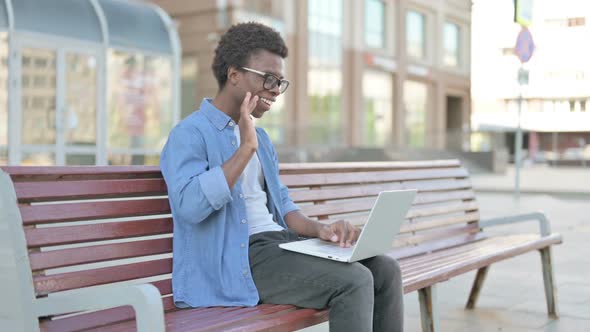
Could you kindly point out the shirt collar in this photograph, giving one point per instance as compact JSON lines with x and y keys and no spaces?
{"x":219,"y":119}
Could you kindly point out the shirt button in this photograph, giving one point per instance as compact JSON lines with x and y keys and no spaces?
{"x":241,"y":195}
{"x":243,"y":221}
{"x":231,"y":123}
{"x":245,"y":272}
{"x":243,"y":245}
{"x":233,"y":142}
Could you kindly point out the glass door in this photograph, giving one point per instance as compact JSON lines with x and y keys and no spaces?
{"x":58,"y":106}
{"x":79,"y":116}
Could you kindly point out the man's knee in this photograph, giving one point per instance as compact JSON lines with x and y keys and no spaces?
{"x":386,"y":269}
{"x":358,"y":276}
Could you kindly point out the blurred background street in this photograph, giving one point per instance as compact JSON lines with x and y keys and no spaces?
{"x":502,"y":85}
{"x":513,"y":297}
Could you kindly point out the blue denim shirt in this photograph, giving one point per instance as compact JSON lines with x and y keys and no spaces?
{"x":210,"y":245}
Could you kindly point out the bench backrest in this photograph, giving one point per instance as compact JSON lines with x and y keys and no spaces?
{"x":444,"y":213}
{"x":88,"y":226}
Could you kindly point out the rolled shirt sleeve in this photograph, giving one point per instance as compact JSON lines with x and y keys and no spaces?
{"x":214,"y":186}
{"x":195,"y":188}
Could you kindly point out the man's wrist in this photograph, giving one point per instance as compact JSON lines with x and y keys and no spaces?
{"x":248,"y":148}
{"x":317,"y":228}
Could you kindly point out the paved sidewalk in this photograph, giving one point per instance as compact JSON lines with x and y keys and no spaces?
{"x":513,"y":297}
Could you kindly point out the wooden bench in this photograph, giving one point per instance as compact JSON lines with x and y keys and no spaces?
{"x":99,"y":239}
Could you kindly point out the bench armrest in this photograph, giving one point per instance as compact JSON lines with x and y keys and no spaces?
{"x":544,"y":226}
{"x":145,"y":300}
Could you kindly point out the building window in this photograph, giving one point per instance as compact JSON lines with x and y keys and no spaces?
{"x":324,"y":80}
{"x":38,"y":123}
{"x":378,"y":108}
{"x":452,"y":45}
{"x":140,"y":107}
{"x":566,"y":22}
{"x":188,"y":85}
{"x":415,"y":102}
{"x":270,"y":8}
{"x":3,"y":98}
{"x":375,"y":23}
{"x":416,"y":34}
{"x":576,"y":21}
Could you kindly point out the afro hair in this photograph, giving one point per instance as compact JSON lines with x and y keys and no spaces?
{"x":241,"y":41}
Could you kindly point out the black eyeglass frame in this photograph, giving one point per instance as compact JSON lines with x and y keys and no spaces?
{"x":270,"y":80}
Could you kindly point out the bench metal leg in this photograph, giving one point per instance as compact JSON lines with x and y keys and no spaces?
{"x":428,"y":309}
{"x":476,"y":288}
{"x":549,"y":281}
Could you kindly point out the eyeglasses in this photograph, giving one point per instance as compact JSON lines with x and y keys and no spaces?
{"x":270,"y":81}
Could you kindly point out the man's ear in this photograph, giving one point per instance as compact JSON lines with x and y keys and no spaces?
{"x":233,"y":75}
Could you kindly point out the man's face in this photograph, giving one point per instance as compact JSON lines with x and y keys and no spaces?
{"x":267,"y":63}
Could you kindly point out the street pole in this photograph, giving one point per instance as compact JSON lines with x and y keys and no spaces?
{"x":523,"y":12}
{"x":518,"y":140}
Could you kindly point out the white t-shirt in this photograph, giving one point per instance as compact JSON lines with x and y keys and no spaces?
{"x":259,"y":219}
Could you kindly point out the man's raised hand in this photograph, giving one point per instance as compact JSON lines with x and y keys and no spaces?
{"x":247,"y":131}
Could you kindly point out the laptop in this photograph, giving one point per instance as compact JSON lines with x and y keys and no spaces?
{"x":384,"y":222}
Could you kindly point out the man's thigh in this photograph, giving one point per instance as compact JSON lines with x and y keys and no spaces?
{"x":285,"y":277}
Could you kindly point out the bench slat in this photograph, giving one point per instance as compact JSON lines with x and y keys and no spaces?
{"x":221,"y":321}
{"x":164,"y":286}
{"x":71,"y":280}
{"x":50,"y":236}
{"x":441,"y":196}
{"x":426,"y":236}
{"x":331,"y":208}
{"x":437,"y":184}
{"x":44,"y":173}
{"x":439,"y":222}
{"x":448,"y":207}
{"x":417,"y":224}
{"x":365,"y":204}
{"x":454,"y":255}
{"x":206,"y":319}
{"x":99,"y":253}
{"x":347,"y":192}
{"x":450,"y":256}
{"x":302,"y":196}
{"x":437,"y":275}
{"x":289,"y":321}
{"x":301,"y":168}
{"x":452,"y":241}
{"x":95,"y":319}
{"x":52,"y":213}
{"x":182,"y":319}
{"x":306,"y":180}
{"x":91,"y":189}
{"x":436,"y":255}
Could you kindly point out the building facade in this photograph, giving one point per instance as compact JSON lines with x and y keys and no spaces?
{"x":86,"y":82}
{"x":370,"y":75}
{"x":555,"y":111}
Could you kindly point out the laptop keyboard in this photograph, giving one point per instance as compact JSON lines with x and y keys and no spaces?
{"x":333,"y":249}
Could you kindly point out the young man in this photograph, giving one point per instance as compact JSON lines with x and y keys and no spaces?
{"x":231,"y":211}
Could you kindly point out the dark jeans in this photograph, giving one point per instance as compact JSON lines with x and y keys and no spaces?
{"x":362,"y":296}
